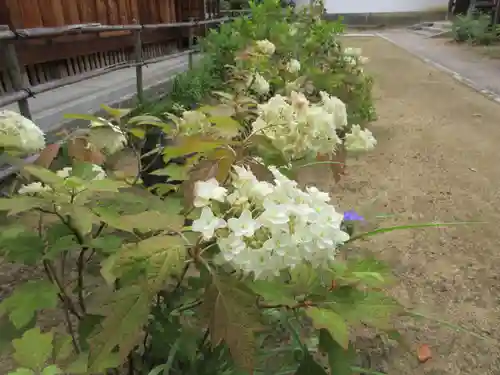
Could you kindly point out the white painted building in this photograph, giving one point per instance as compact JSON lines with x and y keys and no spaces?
{"x":379,"y":6}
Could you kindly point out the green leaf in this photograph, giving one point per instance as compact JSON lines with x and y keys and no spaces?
{"x":84,"y":170}
{"x":19,"y":245}
{"x":116,"y":113}
{"x":9,"y":332}
{"x":187,"y":145}
{"x":108,"y":243}
{"x":34,"y":349}
{"x":308,"y":366}
{"x":226,"y":126}
{"x":332,"y":322}
{"x":143,"y":222}
{"x":411,"y":226}
{"x":174,"y":171}
{"x":81,"y":365}
{"x":231,"y":314}
{"x":27,"y":299}
{"x":304,"y":279}
{"x":125,"y":314}
{"x":52,"y":370}
{"x":274,"y":293}
{"x":44,"y":175}
{"x":160,"y":256}
{"x":339,"y":359}
{"x":63,"y":347}
{"x":75,"y":116}
{"x":18,"y":204}
{"x":369,"y":307}
{"x":22,"y":371}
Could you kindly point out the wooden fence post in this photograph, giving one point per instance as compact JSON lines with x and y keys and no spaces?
{"x":191,"y":44}
{"x":19,"y":81}
{"x":138,"y":67}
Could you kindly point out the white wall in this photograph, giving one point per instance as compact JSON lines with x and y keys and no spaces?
{"x":379,"y":6}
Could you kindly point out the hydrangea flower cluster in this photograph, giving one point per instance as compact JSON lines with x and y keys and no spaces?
{"x":20,"y":133}
{"x":359,"y":140}
{"x":353,"y":57}
{"x":264,"y":228}
{"x":265,"y":47}
{"x":300,"y":128}
{"x":38,"y":187}
{"x":193,"y":122}
{"x":258,"y":84}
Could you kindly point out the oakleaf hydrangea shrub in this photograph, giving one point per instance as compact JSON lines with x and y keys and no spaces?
{"x":237,"y":270}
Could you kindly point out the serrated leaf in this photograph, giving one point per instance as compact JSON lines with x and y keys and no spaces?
{"x":27,"y":299}
{"x":274,"y":293}
{"x":20,"y":204}
{"x":33,"y":349}
{"x":340,"y":360}
{"x":332,"y":322}
{"x":159,"y":256}
{"x":9,"y":332}
{"x":19,"y":245}
{"x":48,"y":155}
{"x":232,"y":317}
{"x":227,"y":127}
{"x":116,"y":113}
{"x":144,"y":221}
{"x":190,"y":144}
{"x":44,"y":175}
{"x":125,"y":314}
{"x":369,"y":307}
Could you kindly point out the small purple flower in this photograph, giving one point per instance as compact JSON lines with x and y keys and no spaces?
{"x":353,"y":216}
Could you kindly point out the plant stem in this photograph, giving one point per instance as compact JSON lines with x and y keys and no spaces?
{"x":71,"y":331}
{"x":81,"y":268}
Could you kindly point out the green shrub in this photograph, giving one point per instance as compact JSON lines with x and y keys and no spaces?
{"x":474,"y":28}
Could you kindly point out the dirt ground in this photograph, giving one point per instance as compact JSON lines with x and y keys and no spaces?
{"x":436,"y":161}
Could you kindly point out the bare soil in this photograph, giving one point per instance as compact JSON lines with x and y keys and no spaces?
{"x":437,"y":160}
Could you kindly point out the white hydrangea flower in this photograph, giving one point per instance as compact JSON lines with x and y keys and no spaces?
{"x":299,"y":128}
{"x":33,"y":188}
{"x":336,"y":107}
{"x":106,"y":136}
{"x":266,"y":47}
{"x":207,"y":224}
{"x":21,"y":134}
{"x":351,"y":51}
{"x":258,"y":84}
{"x":359,"y":140}
{"x":280,"y":227}
{"x":193,"y":122}
{"x":293,"y":66}
{"x":205,"y":191}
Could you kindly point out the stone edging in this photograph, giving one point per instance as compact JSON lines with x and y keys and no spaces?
{"x":455,"y":75}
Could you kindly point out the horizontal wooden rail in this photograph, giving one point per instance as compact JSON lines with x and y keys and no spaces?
{"x":98,"y":28}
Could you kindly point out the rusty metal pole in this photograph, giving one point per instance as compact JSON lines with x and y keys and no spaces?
{"x":191,"y":44}
{"x":19,"y":81}
{"x":138,"y":68}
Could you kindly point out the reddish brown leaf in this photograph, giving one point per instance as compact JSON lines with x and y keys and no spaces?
{"x":48,"y":155}
{"x":424,"y":353}
{"x":78,"y":149}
